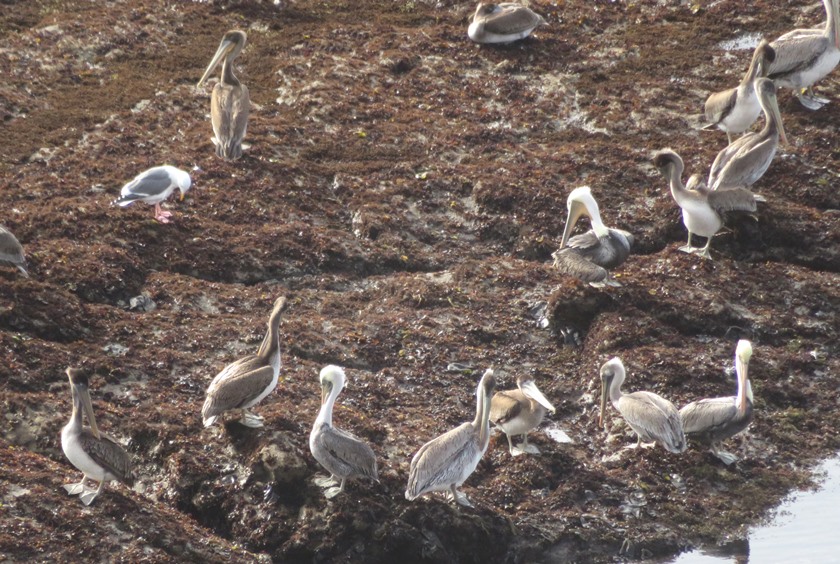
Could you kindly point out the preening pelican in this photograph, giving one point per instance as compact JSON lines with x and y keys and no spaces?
{"x":97,"y":455}
{"x":244,"y":383}
{"x":11,"y":252}
{"x":502,"y":23}
{"x":342,"y":454}
{"x":652,"y":417}
{"x":702,"y":209}
{"x":805,"y":56}
{"x":445,"y":462}
{"x":713,"y":420}
{"x":734,"y":110}
{"x":153,"y":186}
{"x":589,"y":256}
{"x":748,"y":158}
{"x":230,"y":101}
{"x":516,"y":412}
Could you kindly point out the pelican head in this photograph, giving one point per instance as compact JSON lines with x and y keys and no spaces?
{"x":765,"y":55}
{"x":483,"y":10}
{"x":612,"y":376}
{"x":669,"y":163}
{"x":526,"y":386}
{"x":766,"y":91}
{"x":332,"y":378}
{"x":81,"y":396}
{"x":743,"y":353}
{"x":232,"y":44}
{"x":579,"y":202}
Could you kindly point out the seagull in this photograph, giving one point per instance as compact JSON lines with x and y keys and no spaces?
{"x":502,"y":23}
{"x":11,"y":252}
{"x":153,"y":186}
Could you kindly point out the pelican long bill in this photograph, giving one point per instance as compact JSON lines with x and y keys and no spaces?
{"x":225,"y":46}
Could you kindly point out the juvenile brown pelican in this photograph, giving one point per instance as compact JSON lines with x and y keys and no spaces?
{"x":502,"y":23}
{"x":244,"y":383}
{"x":98,"y":456}
{"x":153,"y":186}
{"x":652,"y":417}
{"x":444,"y":463}
{"x":230,"y":101}
{"x":702,"y":209}
{"x":11,"y":252}
{"x":342,"y":454}
{"x":735,"y":110}
{"x":748,"y":158}
{"x":713,"y":420}
{"x":588,"y":256}
{"x":805,"y":56}
{"x":516,"y":412}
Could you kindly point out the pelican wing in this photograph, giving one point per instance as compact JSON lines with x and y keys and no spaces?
{"x":572,"y":262}
{"x":708,"y":415}
{"x":505,"y":406}
{"x":743,"y":162}
{"x":108,"y":454}
{"x":229,"y":109}
{"x":344,"y":454}
{"x":795,"y":52}
{"x":11,"y":250}
{"x":653,"y":417}
{"x":236,"y":385}
{"x":732,"y":199}
{"x":441,"y":462}
{"x":511,"y":18}
{"x":719,"y":104}
{"x":150,"y":185}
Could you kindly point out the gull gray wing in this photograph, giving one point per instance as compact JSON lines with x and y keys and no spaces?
{"x":344,"y":454}
{"x":152,"y":183}
{"x":707,"y":415}
{"x":108,"y":454}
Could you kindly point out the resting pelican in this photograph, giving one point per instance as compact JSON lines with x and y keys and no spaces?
{"x":735,"y":110}
{"x":713,"y":420}
{"x":97,"y":455}
{"x":588,"y":256}
{"x":502,"y":23}
{"x":445,"y":462}
{"x":702,"y":209}
{"x":342,"y":454}
{"x":244,"y":383}
{"x":11,"y":251}
{"x":516,"y":412}
{"x":230,"y":102}
{"x":153,"y":186}
{"x":748,"y":158}
{"x":805,"y":56}
{"x":652,"y":417}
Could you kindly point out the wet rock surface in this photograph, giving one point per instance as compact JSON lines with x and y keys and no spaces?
{"x":405,"y":189}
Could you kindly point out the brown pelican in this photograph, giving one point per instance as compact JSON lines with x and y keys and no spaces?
{"x":153,"y":186}
{"x":713,"y":420}
{"x":502,"y":23}
{"x":702,"y":209}
{"x":342,"y":454}
{"x":98,"y":456}
{"x":735,"y":110}
{"x":445,"y":462}
{"x":243,"y":383}
{"x":230,"y":102}
{"x":652,"y":417}
{"x":516,"y":412}
{"x":748,"y":158}
{"x":588,"y":256}
{"x":11,"y":252}
{"x":804,"y":56}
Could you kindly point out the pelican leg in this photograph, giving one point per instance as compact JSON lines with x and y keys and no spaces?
{"x":460,"y":498}
{"x":324,"y":482}
{"x":688,"y":248}
{"x":728,"y":138}
{"x":725,"y":457}
{"x":610,"y":281}
{"x":525,"y":447}
{"x":704,"y":252}
{"x":76,"y":489}
{"x":334,"y":491}
{"x":514,"y":451}
{"x":251,"y":419}
{"x":160,"y":215}
{"x":88,"y":496}
{"x":810,"y":100}
{"x":600,"y":284}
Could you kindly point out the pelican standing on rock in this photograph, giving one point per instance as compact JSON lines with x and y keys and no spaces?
{"x":342,"y":454}
{"x":747,"y":159}
{"x":230,"y":101}
{"x":153,"y":186}
{"x":97,"y":455}
{"x":11,"y":252}
{"x":805,"y":56}
{"x":702,"y":209}
{"x":244,"y":383}
{"x":502,"y":23}
{"x":735,"y":110}
{"x":444,"y":463}
{"x":713,"y":420}
{"x":652,"y":417}
{"x":589,"y":256}
{"x":516,"y":412}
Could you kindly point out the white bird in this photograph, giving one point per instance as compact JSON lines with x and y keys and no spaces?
{"x":502,"y":23}
{"x":153,"y":186}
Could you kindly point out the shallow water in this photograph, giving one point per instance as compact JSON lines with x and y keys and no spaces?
{"x":803,"y":530}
